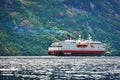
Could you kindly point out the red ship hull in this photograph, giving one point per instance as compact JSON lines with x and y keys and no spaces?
{"x":76,"y":52}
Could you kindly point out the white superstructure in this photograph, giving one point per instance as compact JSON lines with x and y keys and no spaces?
{"x":77,"y":47}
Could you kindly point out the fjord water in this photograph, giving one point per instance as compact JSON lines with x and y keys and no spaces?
{"x":59,"y":68}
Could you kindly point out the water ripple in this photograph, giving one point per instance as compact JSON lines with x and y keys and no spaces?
{"x":59,"y":68}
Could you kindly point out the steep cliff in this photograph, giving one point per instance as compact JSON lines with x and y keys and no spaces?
{"x":28,"y":27}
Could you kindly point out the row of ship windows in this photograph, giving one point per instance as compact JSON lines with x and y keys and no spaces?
{"x":78,"y":47}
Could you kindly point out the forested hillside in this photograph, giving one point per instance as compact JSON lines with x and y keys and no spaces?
{"x":28,"y":27}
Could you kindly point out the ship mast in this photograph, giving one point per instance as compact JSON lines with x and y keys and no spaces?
{"x":89,"y":38}
{"x":79,"y":37}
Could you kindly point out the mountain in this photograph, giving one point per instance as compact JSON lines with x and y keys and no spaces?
{"x":28,"y":27}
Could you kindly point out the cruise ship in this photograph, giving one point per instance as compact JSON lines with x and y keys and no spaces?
{"x":80,"y":47}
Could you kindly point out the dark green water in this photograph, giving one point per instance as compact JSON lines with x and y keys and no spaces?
{"x":59,"y":68}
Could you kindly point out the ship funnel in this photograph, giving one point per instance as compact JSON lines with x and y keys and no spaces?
{"x":69,"y":37}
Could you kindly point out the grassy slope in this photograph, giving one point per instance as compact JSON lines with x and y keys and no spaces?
{"x":31,"y":26}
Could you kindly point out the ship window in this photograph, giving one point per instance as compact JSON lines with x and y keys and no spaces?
{"x":56,"y":46}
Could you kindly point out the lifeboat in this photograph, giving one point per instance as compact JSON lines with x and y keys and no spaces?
{"x":82,"y":45}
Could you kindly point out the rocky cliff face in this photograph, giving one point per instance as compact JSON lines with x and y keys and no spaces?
{"x":28,"y":27}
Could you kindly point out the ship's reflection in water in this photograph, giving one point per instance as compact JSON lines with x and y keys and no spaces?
{"x":59,"y":68}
